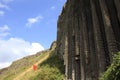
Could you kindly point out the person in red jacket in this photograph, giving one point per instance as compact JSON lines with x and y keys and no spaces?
{"x":34,"y":67}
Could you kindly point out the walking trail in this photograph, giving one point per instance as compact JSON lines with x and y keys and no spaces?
{"x":29,"y":69}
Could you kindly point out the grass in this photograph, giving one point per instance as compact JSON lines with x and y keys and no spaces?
{"x":51,"y":69}
{"x":31,"y":72}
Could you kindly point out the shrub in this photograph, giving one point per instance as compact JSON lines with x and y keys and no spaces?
{"x":113,"y":72}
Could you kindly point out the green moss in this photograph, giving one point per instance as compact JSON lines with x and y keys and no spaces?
{"x":113,"y":72}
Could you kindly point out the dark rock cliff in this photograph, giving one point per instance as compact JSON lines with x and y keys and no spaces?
{"x":88,"y":35}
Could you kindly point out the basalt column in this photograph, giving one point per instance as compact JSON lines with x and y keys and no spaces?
{"x":88,"y":36}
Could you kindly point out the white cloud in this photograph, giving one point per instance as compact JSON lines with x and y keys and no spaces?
{"x":2,"y":35}
{"x":2,"y":13}
{"x":4,"y":28}
{"x":7,"y":1}
{"x":3,"y":6}
{"x":52,"y":8}
{"x":34,"y":47}
{"x":4,"y":31}
{"x":31,"y":21}
{"x":16,"y":48}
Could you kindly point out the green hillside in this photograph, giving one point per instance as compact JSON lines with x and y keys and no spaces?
{"x":49,"y":67}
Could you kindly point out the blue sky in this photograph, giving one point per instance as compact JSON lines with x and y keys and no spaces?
{"x":26,"y":27}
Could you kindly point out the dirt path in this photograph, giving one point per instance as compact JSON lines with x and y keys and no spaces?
{"x":29,"y":69}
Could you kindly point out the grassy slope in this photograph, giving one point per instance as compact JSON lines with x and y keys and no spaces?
{"x":50,"y":69}
{"x":30,"y":72}
{"x":20,"y":65}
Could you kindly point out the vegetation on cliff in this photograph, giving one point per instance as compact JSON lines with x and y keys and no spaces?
{"x":113,"y":72}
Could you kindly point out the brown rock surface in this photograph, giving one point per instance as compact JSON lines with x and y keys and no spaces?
{"x":88,"y":35}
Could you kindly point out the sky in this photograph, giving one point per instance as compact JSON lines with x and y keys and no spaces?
{"x":27,"y":27}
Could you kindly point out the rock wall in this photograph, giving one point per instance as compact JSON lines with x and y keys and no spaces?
{"x":88,"y":35}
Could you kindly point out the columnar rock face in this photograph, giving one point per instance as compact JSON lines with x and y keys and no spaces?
{"x":88,"y":35}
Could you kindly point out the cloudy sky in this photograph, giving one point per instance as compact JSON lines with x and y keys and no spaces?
{"x":26,"y":27}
